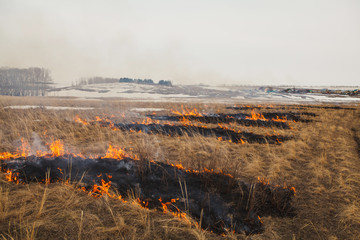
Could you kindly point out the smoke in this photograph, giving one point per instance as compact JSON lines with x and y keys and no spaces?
{"x":36,"y":144}
{"x":203,"y":42}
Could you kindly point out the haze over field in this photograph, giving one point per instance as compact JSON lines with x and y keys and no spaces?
{"x":212,"y":42}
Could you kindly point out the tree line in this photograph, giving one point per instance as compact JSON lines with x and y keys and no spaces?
{"x":145,"y":81}
{"x":97,"y":80}
{"x":32,"y":81}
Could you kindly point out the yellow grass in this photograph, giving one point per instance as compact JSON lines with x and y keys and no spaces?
{"x":322,"y":162}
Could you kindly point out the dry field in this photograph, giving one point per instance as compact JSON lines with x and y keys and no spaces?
{"x":321,"y":160}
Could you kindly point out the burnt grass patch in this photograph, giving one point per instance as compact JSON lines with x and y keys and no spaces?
{"x":290,"y":115}
{"x":217,"y":201}
{"x":272,"y":119}
{"x":180,"y":130}
{"x":239,"y":119}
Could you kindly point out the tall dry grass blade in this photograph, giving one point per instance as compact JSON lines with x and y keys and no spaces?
{"x":201,"y":217}
{"x":182,"y":192}
{"x":8,"y":237}
{"x":43,"y":199}
{"x":187,"y":198}
{"x":81,"y":225}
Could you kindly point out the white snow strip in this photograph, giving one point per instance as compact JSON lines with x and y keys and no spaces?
{"x":147,"y":109}
{"x":47,"y":107}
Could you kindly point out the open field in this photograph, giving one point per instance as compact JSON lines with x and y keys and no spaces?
{"x":320,"y":158}
{"x":192,"y":93}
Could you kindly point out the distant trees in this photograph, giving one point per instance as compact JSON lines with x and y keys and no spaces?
{"x":140,"y":81}
{"x":96,"y":80}
{"x":145,"y":81}
{"x":24,"y":81}
{"x":165,"y":82}
{"x":126,"y":80}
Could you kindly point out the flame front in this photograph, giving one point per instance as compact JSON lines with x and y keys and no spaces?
{"x":12,"y":176}
{"x":22,"y":151}
{"x":278,"y":119}
{"x":265,"y":181}
{"x":7,"y":155}
{"x":256,"y":116}
{"x":187,"y":112}
{"x":57,"y":148}
{"x":177,"y":213}
{"x":79,"y":120}
{"x":115,"y":152}
{"x":24,"y":148}
{"x":99,"y":190}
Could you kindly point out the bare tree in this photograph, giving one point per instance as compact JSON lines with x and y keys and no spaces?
{"x":25,"y":82}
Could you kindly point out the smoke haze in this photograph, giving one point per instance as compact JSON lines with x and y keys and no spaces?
{"x":211,"y":42}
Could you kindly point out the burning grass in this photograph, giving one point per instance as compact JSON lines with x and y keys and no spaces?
{"x":215,"y":200}
{"x":192,"y":127}
{"x":321,"y":160}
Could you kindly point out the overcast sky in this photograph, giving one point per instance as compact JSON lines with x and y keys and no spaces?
{"x":304,"y":42}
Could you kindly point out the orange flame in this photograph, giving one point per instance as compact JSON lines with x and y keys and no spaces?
{"x":57,"y":148}
{"x":11,"y":176}
{"x":278,"y":119}
{"x":24,"y":148}
{"x":256,"y":116}
{"x":79,"y":120}
{"x":265,"y":181}
{"x":103,"y":189}
{"x":228,"y":128}
{"x":185,"y":121}
{"x":115,"y":152}
{"x":148,"y":121}
{"x":178,"y":213}
{"x":7,"y":155}
{"x":178,"y":166}
{"x":187,"y":112}
{"x":22,"y":151}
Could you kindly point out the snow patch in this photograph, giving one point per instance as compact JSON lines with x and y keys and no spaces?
{"x":47,"y":107}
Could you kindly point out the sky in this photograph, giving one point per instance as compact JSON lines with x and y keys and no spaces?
{"x":232,"y":42}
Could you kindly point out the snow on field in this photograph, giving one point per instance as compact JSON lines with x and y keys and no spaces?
{"x":119,"y":90}
{"x":147,"y":109}
{"x":47,"y":107}
{"x":187,"y":93}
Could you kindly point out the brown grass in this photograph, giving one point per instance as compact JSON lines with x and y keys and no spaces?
{"x":322,"y":162}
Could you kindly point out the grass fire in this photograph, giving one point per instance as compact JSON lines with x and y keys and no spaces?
{"x":196,"y":171}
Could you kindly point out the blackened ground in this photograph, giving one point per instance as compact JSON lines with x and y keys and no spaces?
{"x":328,"y":107}
{"x":179,"y":130}
{"x":226,"y":203}
{"x":240,"y":119}
{"x":226,"y":118}
{"x":292,"y":116}
{"x":287,"y":107}
{"x":248,"y":107}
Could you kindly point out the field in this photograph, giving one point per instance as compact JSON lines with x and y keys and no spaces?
{"x":314,"y":149}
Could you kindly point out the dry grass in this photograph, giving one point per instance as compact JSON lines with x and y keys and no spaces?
{"x":57,"y":211}
{"x":322,"y":162}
